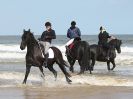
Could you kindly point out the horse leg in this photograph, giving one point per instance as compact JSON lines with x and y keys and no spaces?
{"x":92,"y":64}
{"x":67,"y":75}
{"x":71,"y":66}
{"x":114,"y":65}
{"x":81,"y":68}
{"x":41,"y":70}
{"x":50,"y":67}
{"x":28,"y":67}
{"x":108,"y":65}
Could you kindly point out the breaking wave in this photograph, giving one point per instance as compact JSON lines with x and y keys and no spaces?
{"x":12,"y":53}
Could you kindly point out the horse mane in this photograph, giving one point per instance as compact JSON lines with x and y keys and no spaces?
{"x":31,"y":38}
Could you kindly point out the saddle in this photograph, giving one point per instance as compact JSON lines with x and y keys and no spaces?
{"x":71,"y":46}
{"x":68,"y":49}
{"x":50,"y":51}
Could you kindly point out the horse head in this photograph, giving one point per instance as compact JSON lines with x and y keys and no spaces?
{"x":25,"y":38}
{"x":117,"y":44}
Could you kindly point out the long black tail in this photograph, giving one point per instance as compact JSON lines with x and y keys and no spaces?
{"x":86,"y":57}
{"x":60,"y":60}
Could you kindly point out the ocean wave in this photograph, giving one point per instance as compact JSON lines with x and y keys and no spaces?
{"x":16,"y":48}
{"x":12,"y":53}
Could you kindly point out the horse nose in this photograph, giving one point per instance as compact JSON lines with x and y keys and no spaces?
{"x":119,"y":51}
{"x":21,"y":48}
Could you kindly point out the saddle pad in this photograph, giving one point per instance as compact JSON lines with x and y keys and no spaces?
{"x":51,"y":53}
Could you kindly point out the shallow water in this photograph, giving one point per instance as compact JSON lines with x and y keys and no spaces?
{"x":12,"y":66}
{"x":100,"y":77}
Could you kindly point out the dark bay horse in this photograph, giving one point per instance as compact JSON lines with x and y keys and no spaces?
{"x":99,"y":54}
{"x":80,"y":52}
{"x":34,"y":56}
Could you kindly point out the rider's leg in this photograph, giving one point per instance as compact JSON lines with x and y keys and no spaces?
{"x":46,"y":48}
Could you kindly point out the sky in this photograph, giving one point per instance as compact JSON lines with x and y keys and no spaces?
{"x":115,"y":15}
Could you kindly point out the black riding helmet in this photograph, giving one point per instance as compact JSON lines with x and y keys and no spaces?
{"x":101,"y":28}
{"x":73,"y":23}
{"x":47,"y":24}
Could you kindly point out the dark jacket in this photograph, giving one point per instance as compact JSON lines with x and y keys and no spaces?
{"x":103,"y":38}
{"x":73,"y":32}
{"x":48,"y":36}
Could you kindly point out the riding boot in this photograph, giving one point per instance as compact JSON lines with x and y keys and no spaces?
{"x":45,"y":61}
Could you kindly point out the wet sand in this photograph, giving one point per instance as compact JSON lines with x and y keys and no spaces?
{"x":82,"y":92}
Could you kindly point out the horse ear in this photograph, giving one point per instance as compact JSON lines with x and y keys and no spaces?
{"x":29,"y":30}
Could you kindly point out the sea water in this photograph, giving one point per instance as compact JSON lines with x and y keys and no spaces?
{"x":12,"y":65}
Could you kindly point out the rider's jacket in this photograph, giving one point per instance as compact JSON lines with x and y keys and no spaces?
{"x":103,"y":38}
{"x":47,"y":36}
{"x":73,"y":32}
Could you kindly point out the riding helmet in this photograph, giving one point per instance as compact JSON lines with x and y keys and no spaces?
{"x":73,"y":23}
{"x":47,"y":24}
{"x":101,"y":28}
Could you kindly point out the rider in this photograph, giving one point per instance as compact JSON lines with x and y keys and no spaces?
{"x":103,"y":40}
{"x":46,"y":39}
{"x":73,"y":33}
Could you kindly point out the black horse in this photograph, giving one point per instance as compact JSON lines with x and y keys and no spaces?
{"x":34,"y":56}
{"x":98,"y":53}
{"x":80,"y":52}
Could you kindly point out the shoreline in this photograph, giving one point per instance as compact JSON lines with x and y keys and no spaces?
{"x":80,"y":92}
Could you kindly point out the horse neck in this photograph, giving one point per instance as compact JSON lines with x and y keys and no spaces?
{"x":113,"y":43}
{"x":31,"y":43}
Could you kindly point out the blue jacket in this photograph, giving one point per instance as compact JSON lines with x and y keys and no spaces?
{"x":73,"y":32}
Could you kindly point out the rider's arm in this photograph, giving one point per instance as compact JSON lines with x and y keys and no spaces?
{"x":53,"y":35}
{"x":79,"y":33}
{"x":108,"y":35}
{"x":42,"y":36}
{"x":68,"y":33}
{"x":99,"y":36}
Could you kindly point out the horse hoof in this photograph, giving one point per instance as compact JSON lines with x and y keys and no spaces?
{"x":112,"y":69}
{"x":69,"y":81}
{"x":24,"y":83}
{"x":55,"y":79}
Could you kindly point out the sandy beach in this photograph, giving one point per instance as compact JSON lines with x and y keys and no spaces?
{"x":82,"y":92}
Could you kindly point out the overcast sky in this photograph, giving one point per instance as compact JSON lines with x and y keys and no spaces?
{"x":115,"y":15}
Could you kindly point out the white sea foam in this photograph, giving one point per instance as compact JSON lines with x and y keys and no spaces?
{"x":16,"y":78}
{"x":12,"y":53}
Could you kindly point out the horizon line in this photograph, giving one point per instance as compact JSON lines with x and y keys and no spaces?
{"x":64,"y":35}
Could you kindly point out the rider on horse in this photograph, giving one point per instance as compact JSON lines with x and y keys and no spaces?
{"x":74,"y":34}
{"x":46,"y":39}
{"x":103,"y":40}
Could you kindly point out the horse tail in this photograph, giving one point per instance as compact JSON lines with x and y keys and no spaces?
{"x":86,"y":57}
{"x":60,"y":59}
{"x":63,"y":64}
